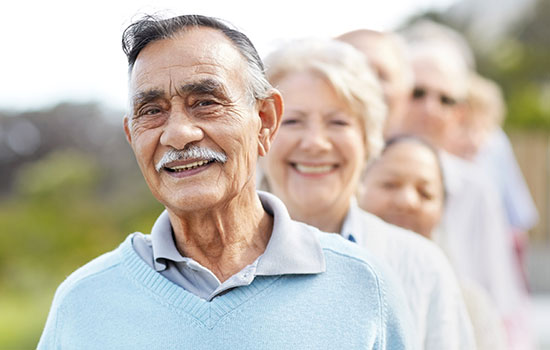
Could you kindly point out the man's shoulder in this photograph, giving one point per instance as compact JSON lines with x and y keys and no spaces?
{"x":346,"y":254}
{"x":330,"y":242}
{"x":333,"y":242}
{"x":91,"y":271}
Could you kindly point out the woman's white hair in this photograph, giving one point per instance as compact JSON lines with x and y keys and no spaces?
{"x":346,"y":70}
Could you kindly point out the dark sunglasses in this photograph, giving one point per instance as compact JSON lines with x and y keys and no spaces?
{"x":419,"y":93}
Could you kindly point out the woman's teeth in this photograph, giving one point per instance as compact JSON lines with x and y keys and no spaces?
{"x":313,"y":169}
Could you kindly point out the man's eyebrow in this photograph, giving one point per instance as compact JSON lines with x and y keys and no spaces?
{"x":146,"y":96}
{"x":205,"y":86}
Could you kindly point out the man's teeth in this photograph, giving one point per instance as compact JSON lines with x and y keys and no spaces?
{"x":189,"y":166}
{"x":313,"y":169}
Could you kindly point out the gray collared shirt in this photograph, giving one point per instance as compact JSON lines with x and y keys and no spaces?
{"x":288,"y":252}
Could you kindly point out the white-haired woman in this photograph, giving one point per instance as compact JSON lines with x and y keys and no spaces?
{"x":331,"y":127}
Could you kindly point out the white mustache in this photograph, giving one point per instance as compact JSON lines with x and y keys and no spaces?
{"x":191,"y":152}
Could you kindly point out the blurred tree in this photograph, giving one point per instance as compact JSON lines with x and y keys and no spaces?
{"x":77,"y":197}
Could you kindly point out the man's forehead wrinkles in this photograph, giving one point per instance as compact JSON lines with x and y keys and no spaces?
{"x":158,"y":75}
{"x":207,"y":69}
{"x":148,"y":81}
{"x":143,"y":71}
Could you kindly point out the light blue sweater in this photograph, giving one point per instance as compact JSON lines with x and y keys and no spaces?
{"x":119,"y":302}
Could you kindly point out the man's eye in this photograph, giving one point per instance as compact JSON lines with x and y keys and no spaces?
{"x":148,"y":111}
{"x":151,"y":111}
{"x":418,"y":93}
{"x":205,"y":103}
{"x":446,"y":100}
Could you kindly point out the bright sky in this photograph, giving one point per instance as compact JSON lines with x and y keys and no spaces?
{"x":61,"y":50}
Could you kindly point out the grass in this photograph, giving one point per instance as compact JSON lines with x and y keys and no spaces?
{"x":22,"y":318}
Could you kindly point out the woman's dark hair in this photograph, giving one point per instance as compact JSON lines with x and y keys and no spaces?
{"x":398,"y":139}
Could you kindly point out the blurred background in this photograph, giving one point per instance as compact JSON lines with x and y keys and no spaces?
{"x":69,"y":185}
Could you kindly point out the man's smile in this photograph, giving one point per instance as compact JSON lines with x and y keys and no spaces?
{"x":188,"y":166}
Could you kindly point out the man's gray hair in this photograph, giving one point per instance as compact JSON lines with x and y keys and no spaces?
{"x":427,"y":31}
{"x":151,"y":28}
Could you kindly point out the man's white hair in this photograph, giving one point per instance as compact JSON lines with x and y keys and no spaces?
{"x":426,"y":31}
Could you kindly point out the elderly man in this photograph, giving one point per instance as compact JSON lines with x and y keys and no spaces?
{"x":387,"y":56}
{"x":224,"y":266}
{"x":473,"y":230}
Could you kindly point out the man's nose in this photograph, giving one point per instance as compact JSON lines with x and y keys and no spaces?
{"x":180,"y":130}
{"x":315,"y":139}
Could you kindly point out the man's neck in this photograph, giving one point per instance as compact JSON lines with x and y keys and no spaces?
{"x":224,"y":239}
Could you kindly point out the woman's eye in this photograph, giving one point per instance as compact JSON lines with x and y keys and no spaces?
{"x":389,"y":185}
{"x":289,"y":121}
{"x":425,"y":194}
{"x":339,"y":122}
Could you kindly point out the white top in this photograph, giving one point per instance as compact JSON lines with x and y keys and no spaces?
{"x":488,"y":325}
{"x":431,"y":288}
{"x":474,"y":233}
{"x":496,"y":157}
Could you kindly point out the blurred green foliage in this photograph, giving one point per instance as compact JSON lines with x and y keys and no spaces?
{"x":57,"y":219}
{"x":522,"y":69}
{"x":518,"y":60}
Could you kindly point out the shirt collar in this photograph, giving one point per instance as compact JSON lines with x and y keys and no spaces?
{"x":293,"y":248}
{"x":351,"y":224}
{"x":162,"y":241}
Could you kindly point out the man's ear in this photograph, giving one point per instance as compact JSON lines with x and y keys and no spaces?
{"x":127,"y":129}
{"x":270,"y":112}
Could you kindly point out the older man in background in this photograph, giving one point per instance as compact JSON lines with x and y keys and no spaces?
{"x":483,"y":141}
{"x":387,"y":56}
{"x":474,"y":228}
{"x":224,"y":267}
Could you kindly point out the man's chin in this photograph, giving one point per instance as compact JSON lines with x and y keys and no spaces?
{"x":189,"y":200}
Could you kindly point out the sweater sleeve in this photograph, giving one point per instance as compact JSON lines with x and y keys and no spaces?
{"x":52,"y":335}
{"x":48,"y":338}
